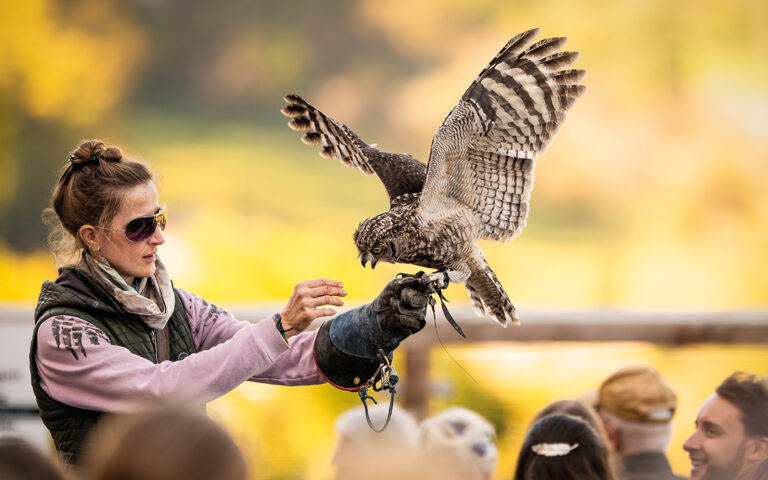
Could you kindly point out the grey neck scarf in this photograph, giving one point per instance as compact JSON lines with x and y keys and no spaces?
{"x":153,"y":301}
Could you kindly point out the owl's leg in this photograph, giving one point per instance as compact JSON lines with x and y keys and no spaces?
{"x":435,"y":282}
{"x":443,"y":276}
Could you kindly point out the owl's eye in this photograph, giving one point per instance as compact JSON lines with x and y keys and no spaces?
{"x":376,"y":250}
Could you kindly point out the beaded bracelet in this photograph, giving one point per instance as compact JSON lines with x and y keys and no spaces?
{"x":279,"y":324}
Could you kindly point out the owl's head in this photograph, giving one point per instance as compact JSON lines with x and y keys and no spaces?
{"x":375,"y":239}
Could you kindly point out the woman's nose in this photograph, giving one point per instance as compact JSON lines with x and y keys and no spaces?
{"x":157,"y":238}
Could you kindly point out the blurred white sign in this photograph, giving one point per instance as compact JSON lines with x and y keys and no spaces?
{"x":18,"y":409}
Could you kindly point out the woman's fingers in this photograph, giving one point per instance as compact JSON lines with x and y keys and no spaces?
{"x":307,"y":296}
{"x":322,"y":312}
{"x":326,"y":290}
{"x":319,"y":282}
{"x":323,"y":300}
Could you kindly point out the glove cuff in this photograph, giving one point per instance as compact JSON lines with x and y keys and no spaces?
{"x":342,"y":370}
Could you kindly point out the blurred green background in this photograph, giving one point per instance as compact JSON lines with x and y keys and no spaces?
{"x":654,"y":195}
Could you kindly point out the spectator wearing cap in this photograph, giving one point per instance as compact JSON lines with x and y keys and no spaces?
{"x":637,"y":405}
{"x":461,"y":440}
{"x":731,"y":436}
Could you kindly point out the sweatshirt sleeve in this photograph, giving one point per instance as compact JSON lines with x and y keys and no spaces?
{"x":212,"y":325}
{"x":80,"y":367}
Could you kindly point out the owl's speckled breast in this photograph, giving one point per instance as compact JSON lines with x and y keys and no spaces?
{"x":435,"y":244}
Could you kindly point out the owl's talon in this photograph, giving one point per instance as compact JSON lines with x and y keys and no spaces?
{"x":432,"y":282}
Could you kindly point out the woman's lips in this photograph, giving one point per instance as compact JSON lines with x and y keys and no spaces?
{"x":149,"y":258}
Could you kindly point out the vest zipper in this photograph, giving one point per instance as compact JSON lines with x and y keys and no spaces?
{"x":154,"y":342}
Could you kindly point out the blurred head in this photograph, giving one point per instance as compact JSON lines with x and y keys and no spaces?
{"x":573,"y":408}
{"x":21,"y":461}
{"x":578,"y":409}
{"x":636,"y":406}
{"x":731,"y":433}
{"x":164,"y":445}
{"x":562,"y":447}
{"x":358,"y":447}
{"x":462,"y":439}
{"x":99,"y":191}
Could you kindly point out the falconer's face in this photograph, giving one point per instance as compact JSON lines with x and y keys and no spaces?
{"x":133,"y":259}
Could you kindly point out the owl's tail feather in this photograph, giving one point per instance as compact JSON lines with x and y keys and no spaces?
{"x":488,"y":296}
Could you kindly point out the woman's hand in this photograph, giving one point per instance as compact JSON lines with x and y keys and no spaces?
{"x":307,"y":297}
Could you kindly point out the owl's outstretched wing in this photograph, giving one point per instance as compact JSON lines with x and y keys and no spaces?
{"x":400,"y":173}
{"x":483,"y":154}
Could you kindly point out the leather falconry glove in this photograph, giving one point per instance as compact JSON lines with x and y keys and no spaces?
{"x":347,"y":346}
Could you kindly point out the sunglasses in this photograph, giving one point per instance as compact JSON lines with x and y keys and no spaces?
{"x":140,"y":229}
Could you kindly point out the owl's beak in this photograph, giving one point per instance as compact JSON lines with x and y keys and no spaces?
{"x":368,"y":257}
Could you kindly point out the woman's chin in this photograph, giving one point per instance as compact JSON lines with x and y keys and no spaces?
{"x":144,"y":271}
{"x":150,"y":271}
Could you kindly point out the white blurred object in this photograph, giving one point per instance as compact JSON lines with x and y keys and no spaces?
{"x":18,"y":409}
{"x":357,"y":441}
{"x":462,"y":438}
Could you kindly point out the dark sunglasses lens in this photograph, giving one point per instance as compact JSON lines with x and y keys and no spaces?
{"x":140,"y":229}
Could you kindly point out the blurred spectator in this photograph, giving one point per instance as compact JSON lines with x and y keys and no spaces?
{"x":577,"y":409}
{"x":463,"y":440}
{"x":359,"y":447}
{"x":563,"y":447}
{"x":584,"y":411}
{"x":731,"y":436}
{"x":163,"y":445}
{"x":21,"y":461}
{"x":636,"y":406}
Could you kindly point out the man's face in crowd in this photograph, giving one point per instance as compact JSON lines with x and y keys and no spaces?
{"x":717,"y":447}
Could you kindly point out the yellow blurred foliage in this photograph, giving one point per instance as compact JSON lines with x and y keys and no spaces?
{"x":654,"y":196}
{"x":22,"y":275}
{"x":72,"y":62}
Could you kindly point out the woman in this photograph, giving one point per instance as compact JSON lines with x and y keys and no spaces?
{"x":113,"y":335}
{"x":562,"y":447}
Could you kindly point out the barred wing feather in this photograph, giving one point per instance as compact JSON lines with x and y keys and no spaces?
{"x":336,"y":140}
{"x":483,"y":154}
{"x":402,"y":175}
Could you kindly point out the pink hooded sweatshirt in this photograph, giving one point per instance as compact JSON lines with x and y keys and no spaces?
{"x":87,"y":371}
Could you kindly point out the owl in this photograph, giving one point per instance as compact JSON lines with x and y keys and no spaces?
{"x":478,"y":180}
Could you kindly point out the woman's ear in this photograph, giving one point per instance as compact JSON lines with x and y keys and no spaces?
{"x":88,"y":235}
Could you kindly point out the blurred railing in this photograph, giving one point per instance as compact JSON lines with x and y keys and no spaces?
{"x":745,"y":327}
{"x":741,"y":327}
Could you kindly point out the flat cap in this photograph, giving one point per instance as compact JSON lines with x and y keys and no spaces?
{"x":638,"y":393}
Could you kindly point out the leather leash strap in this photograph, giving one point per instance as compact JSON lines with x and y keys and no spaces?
{"x":163,"y":345}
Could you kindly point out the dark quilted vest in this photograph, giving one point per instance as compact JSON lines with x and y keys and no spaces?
{"x":75,"y":294}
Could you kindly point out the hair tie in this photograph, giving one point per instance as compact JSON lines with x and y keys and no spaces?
{"x":553,"y":449}
{"x":96,"y":157}
{"x":71,"y":158}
